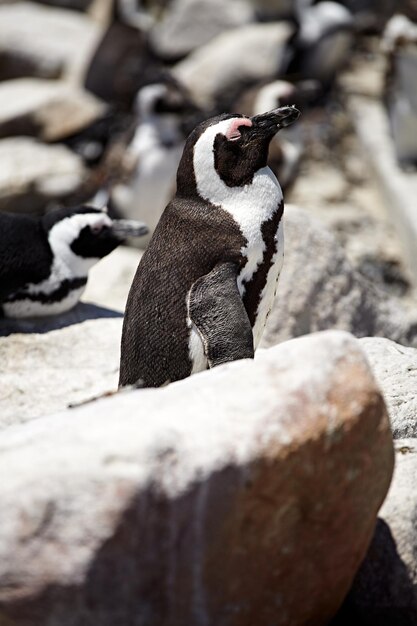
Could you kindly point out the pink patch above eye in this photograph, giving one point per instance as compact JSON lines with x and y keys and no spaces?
{"x":233,"y":130}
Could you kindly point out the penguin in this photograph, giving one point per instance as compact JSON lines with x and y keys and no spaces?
{"x":206,"y":283}
{"x":154,"y":152}
{"x":400,"y":94}
{"x":44,"y":261}
{"x":323,"y":41}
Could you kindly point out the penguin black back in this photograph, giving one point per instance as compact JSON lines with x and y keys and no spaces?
{"x":25,"y":255}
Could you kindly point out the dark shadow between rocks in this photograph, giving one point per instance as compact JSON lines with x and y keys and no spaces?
{"x":81,"y":313}
{"x":382,"y":593}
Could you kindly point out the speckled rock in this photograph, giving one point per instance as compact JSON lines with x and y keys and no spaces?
{"x":243,"y":495}
{"x":319,"y":289}
{"x":33,"y":173}
{"x":44,"y":373}
{"x":395,"y":369}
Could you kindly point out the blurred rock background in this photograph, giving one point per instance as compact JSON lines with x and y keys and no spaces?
{"x":100,"y":95}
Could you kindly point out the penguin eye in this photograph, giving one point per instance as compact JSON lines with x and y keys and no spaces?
{"x":236,"y":135}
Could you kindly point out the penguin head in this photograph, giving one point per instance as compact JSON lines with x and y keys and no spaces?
{"x":167,"y":106}
{"x":280,"y":93}
{"x":79,"y":237}
{"x":231,"y":148}
{"x":323,"y":41}
{"x":164,"y":97}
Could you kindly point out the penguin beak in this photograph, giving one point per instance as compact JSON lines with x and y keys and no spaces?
{"x":271,"y":122}
{"x":128,"y":228}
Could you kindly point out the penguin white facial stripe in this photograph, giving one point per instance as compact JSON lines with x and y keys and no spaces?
{"x":250,"y":205}
{"x":68,"y":229}
{"x":66,"y":267}
{"x":63,"y":234}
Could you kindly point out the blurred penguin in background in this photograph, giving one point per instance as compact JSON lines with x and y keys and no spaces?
{"x":165,"y":114}
{"x":44,"y":261}
{"x":285,"y":149}
{"x":400,"y":44}
{"x":325,"y":36}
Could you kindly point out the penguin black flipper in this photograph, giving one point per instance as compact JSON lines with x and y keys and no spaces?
{"x":215,"y":307}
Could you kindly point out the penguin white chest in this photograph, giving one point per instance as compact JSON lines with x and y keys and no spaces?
{"x":251,"y":207}
{"x":265,"y":202}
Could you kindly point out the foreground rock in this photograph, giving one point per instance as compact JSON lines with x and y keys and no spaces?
{"x":235,"y":59}
{"x":395,"y":369}
{"x":243,"y":495}
{"x":318,"y":289}
{"x":189,"y":24}
{"x":43,"y":41}
{"x":33,"y":174}
{"x":48,"y":109}
{"x":385,"y":589}
{"x":44,"y":373}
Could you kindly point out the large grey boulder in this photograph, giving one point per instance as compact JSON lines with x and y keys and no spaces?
{"x":48,"y":109}
{"x":384,"y":592}
{"x":318,"y":289}
{"x":33,"y":174}
{"x":243,"y":495}
{"x":234,"y":59}
{"x":43,"y":41}
{"x":189,"y":24}
{"x":395,"y":369}
{"x":45,"y":372}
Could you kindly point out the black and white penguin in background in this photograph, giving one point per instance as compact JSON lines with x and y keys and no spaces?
{"x":206,"y":283}
{"x":324,"y":39}
{"x":400,"y":45}
{"x":44,"y":261}
{"x":286,"y":149}
{"x":163,"y":111}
